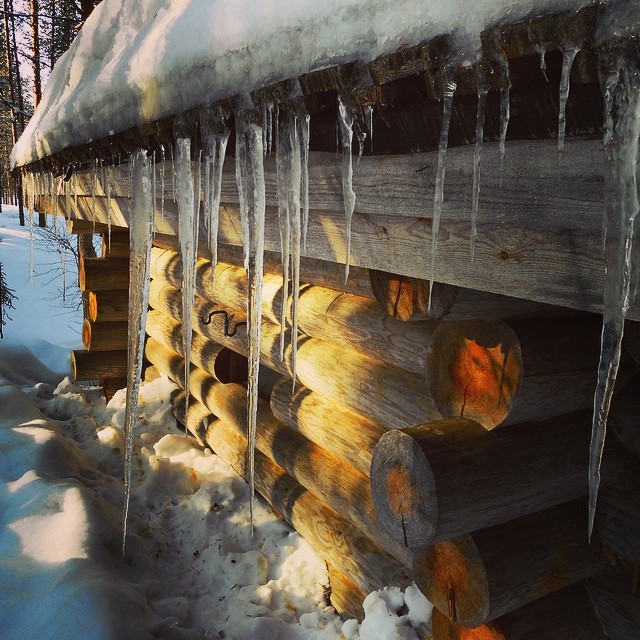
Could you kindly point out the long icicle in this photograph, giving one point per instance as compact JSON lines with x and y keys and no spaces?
{"x":568,"y":55}
{"x":477,"y":158}
{"x":505,"y":109}
{"x":283,"y":183}
{"x":140,"y":227}
{"x":188,"y":232}
{"x":345,"y":124}
{"x":304,"y":121}
{"x":438,"y":198}
{"x":621,"y":86}
{"x":251,"y":190}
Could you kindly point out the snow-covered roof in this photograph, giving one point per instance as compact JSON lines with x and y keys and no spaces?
{"x":136,"y":61}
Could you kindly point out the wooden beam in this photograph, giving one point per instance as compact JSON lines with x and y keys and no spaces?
{"x":486,"y":574}
{"x":436,"y":481}
{"x":104,"y":336}
{"x":108,"y":306}
{"x":103,"y":274}
{"x":546,"y":249}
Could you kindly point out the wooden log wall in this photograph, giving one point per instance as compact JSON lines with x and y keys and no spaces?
{"x":488,"y":482}
{"x":105,"y":282}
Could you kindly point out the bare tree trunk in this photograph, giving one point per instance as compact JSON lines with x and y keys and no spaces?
{"x":37,"y":80}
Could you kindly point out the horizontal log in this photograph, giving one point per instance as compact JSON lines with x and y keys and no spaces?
{"x":624,"y":417}
{"x":530,"y":369}
{"x":111,"y":385}
{"x":407,"y":299}
{"x":616,"y":597}
{"x":345,"y":595}
{"x":104,"y":336}
{"x":323,"y":273}
{"x":79,"y":226}
{"x":435,"y":481}
{"x":333,"y":537}
{"x":339,"y":485}
{"x":486,"y":574}
{"x":339,"y":430}
{"x":224,"y":364}
{"x":567,"y":613}
{"x":115,"y":244}
{"x":103,"y":274}
{"x":108,"y":306}
{"x":92,"y":365}
{"x":195,"y":419}
{"x":515,"y":250}
{"x":389,"y":395}
{"x":354,"y":321}
{"x":619,"y":512}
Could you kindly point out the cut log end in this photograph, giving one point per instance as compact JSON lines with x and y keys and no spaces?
{"x":403,"y":490}
{"x":451,"y":574}
{"x":480,"y":370}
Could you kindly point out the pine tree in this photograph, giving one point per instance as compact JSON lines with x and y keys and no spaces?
{"x":7,"y":298}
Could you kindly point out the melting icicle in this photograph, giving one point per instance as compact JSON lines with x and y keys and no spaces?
{"x":215,"y":136}
{"x":140,"y":226}
{"x":438,"y":197}
{"x":289,"y":170}
{"x":67,"y":194}
{"x":568,"y":56}
{"x":268,"y":125}
{"x":542,"y":50}
{"x":30,"y":244}
{"x":622,"y":131}
{"x":188,"y":233}
{"x":368,"y":113}
{"x":163,"y":160}
{"x":94,"y":188}
{"x":505,"y":110}
{"x":108,"y":188}
{"x":477,"y":157}
{"x":251,"y":190}
{"x":345,"y":123}
{"x":304,"y":122}
{"x":361,"y":134}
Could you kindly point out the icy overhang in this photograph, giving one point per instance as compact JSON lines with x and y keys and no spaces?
{"x":137,"y":61}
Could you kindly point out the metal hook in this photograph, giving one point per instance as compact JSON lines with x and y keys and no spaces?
{"x":227,"y":322}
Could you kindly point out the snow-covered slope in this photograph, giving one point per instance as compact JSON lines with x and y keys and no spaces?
{"x":135,"y":61}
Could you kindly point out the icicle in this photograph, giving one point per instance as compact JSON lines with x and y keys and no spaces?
{"x":154,"y":191}
{"x":268,"y":124}
{"x":188,"y":235}
{"x":622,"y":131}
{"x":289,"y":170}
{"x":63,"y":268}
{"x":568,"y":55}
{"x":345,"y":123}
{"x":94,"y":187}
{"x":361,"y":134}
{"x":477,"y":157}
{"x":542,"y":50}
{"x":438,"y":197}
{"x":140,"y":226}
{"x":173,"y":172}
{"x":31,"y":244}
{"x":67,"y":194}
{"x":108,"y":187}
{"x":163,"y":159}
{"x":368,"y":112}
{"x":505,"y":110}
{"x":251,"y":190}
{"x":304,"y":122}
{"x":215,"y":136}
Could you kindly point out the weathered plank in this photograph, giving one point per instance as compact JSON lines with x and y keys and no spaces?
{"x":91,"y":365}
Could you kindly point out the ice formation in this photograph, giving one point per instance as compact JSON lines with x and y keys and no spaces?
{"x":188,"y":217}
{"x":568,"y":55}
{"x":477,"y":158}
{"x":346,"y":117}
{"x":438,"y":198}
{"x":140,"y":229}
{"x":621,"y":87}
{"x":251,"y":191}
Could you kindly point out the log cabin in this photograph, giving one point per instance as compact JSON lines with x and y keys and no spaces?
{"x":436,"y":281}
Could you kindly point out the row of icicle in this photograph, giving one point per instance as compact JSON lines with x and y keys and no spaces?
{"x":288,"y":131}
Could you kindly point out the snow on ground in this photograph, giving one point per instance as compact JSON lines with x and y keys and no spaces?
{"x":191,"y":569}
{"x":137,"y":61}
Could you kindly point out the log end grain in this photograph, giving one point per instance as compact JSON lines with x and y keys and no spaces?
{"x":479,"y":372}
{"x":452,"y":576}
{"x":403,"y":490}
